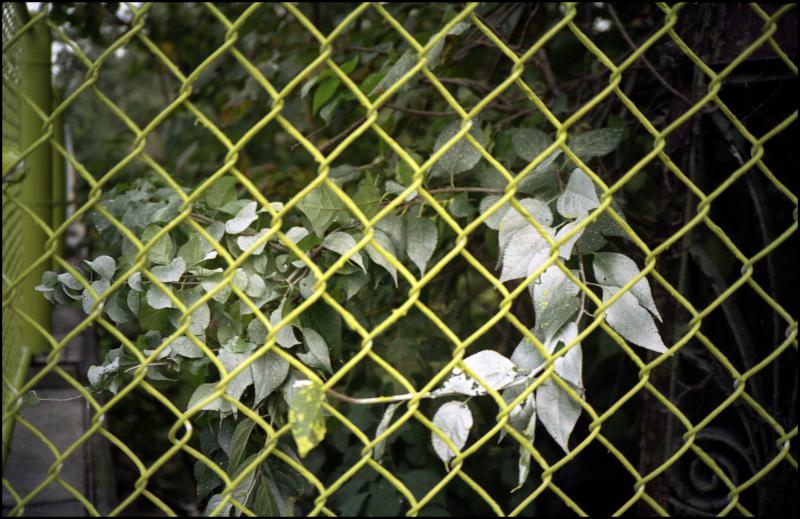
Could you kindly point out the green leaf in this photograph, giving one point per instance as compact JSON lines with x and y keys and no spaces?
{"x":239,"y":440}
{"x":405,"y":63}
{"x":455,"y":421}
{"x":421,"y":236}
{"x":220,"y":193}
{"x":306,"y":417}
{"x":616,"y":270}
{"x":264,"y":504}
{"x":595,"y":143}
{"x":322,"y":207}
{"x":269,"y":372}
{"x":368,"y":197}
{"x":163,"y":250}
{"x":324,"y":92}
{"x":579,"y":197}
{"x":528,"y":143}
{"x":384,"y":241}
{"x":461,"y":156}
{"x":318,"y":355}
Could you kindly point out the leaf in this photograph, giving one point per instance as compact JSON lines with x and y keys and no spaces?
{"x":455,"y":421}
{"x":565,"y":251}
{"x":163,"y":250}
{"x":241,"y":434}
{"x":201,"y":393}
{"x":244,"y":242}
{"x":494,"y":370}
{"x":386,"y":420}
{"x":557,"y":411}
{"x":306,"y":417}
{"x":555,"y":302}
{"x":421,"y":236}
{"x":342,"y":243}
{"x":384,"y":241}
{"x":368,"y":197}
{"x":632,"y":321}
{"x":324,"y":92}
{"x":170,"y":273}
{"x":405,"y":63}
{"x":221,"y":192}
{"x":595,"y":143}
{"x":461,"y":156}
{"x":236,"y":386}
{"x":105,"y":266}
{"x":321,"y":206}
{"x":243,"y":219}
{"x":526,"y":251}
{"x":269,"y":372}
{"x":318,"y":355}
{"x":569,"y":367}
{"x":616,"y":270}
{"x":184,"y":347}
{"x":529,"y":143}
{"x":579,"y":197}
{"x":524,"y":463}
{"x":285,"y":336}
{"x":196,"y":250}
{"x":157,"y":299}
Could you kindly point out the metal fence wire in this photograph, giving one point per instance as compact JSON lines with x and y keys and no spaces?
{"x":19,"y":276}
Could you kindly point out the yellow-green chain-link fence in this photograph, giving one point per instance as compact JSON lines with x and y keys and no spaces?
{"x":21,"y":316}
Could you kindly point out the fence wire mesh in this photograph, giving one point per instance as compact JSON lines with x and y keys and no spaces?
{"x":181,"y":432}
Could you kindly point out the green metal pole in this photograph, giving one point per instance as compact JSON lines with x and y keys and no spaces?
{"x":35,"y":193}
{"x":58,"y":195}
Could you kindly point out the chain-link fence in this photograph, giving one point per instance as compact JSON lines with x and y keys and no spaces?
{"x":152,"y":271}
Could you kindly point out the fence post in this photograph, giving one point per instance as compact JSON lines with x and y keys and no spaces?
{"x":35,"y":194}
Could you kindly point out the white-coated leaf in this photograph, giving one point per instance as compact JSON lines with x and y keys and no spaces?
{"x":386,"y":421}
{"x":595,"y":143}
{"x":526,"y":251}
{"x":158,"y":299}
{"x":557,"y":411}
{"x":528,"y":143}
{"x":116,"y":309}
{"x":392,"y":225}
{"x":342,"y":243}
{"x":524,"y":463}
{"x":513,"y":219}
{"x":494,"y":370}
{"x":105,"y":266}
{"x":616,"y":270}
{"x":243,"y":219}
{"x":461,"y":156}
{"x":520,"y":415}
{"x":170,"y":273}
{"x":565,"y":251}
{"x":245,"y":242}
{"x":202,"y":392}
{"x":295,"y":234}
{"x":285,"y":336}
{"x":455,"y":421}
{"x":200,"y":319}
{"x":135,"y":281}
{"x":632,"y":321}
{"x":185,"y":347}
{"x":269,"y":372}
{"x":421,"y":236}
{"x":236,"y":387}
{"x":579,"y":196}
{"x":256,"y":287}
{"x":318,"y":355}
{"x":555,"y":301}
{"x":384,"y":241}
